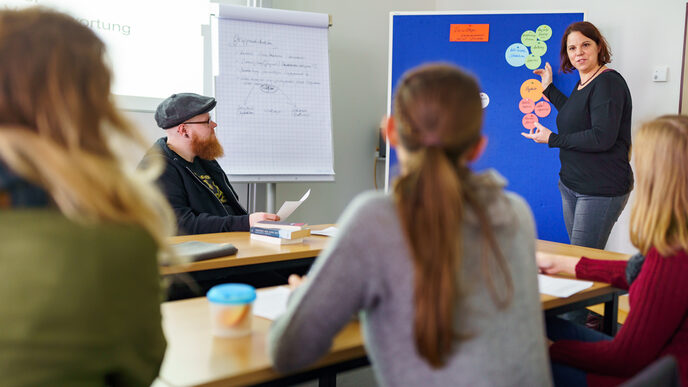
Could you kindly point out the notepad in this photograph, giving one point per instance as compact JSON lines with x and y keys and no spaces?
{"x":198,"y":251}
{"x":561,"y":287}
{"x":271,"y":303}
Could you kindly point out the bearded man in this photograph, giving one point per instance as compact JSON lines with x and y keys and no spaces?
{"x":193,"y":181}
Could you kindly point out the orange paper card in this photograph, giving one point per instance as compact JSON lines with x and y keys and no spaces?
{"x":469,"y":33}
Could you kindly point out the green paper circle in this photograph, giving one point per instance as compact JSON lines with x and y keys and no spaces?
{"x":539,"y":48}
{"x":544,"y":32}
{"x":533,"y":61}
{"x":528,"y":38}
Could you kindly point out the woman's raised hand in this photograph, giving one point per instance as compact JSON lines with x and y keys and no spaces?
{"x":545,"y":74}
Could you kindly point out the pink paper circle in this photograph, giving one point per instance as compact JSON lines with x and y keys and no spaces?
{"x":526,"y":106}
{"x":529,"y":121}
{"x":542,"y":109}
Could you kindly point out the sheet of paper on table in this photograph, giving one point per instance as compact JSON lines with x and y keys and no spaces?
{"x":561,"y":287}
{"x":330,"y":231}
{"x":271,"y":303}
{"x":290,"y":206}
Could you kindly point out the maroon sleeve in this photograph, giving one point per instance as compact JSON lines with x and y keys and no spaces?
{"x":611,"y":272}
{"x":658,"y":307}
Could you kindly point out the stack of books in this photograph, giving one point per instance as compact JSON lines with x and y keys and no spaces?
{"x":279,"y":233}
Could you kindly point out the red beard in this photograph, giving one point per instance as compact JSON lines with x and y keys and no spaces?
{"x":208,"y":148}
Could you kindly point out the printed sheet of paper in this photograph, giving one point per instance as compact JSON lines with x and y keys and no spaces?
{"x":561,"y":287}
{"x":330,"y":232}
{"x":271,"y":303}
{"x":290,"y":206}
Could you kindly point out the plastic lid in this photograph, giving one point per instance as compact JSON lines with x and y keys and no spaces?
{"x":231,"y":294}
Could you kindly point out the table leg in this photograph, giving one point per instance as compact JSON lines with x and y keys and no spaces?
{"x":328,"y":380}
{"x":611,"y":318}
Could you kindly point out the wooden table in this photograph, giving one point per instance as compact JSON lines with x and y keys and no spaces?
{"x":249,"y":252}
{"x":194,"y":357}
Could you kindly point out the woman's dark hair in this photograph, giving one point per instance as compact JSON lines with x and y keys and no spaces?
{"x":590,"y":31}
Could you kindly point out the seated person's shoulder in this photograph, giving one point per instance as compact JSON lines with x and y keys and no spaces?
{"x":54,"y":236}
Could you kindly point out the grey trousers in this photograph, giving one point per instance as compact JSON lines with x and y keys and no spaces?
{"x":589,"y":219}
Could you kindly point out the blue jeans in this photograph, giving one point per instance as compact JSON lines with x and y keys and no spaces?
{"x":560,"y":329}
{"x":589,"y":219}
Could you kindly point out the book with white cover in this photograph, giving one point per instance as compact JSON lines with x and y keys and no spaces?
{"x":275,"y":240}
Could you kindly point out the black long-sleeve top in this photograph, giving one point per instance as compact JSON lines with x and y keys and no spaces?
{"x":197,"y":208}
{"x":594,"y":136}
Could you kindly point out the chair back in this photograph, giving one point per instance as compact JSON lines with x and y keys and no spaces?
{"x":662,"y":372}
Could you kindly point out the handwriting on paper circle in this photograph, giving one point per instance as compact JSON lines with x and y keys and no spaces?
{"x":516,"y":54}
{"x":526,"y":105}
{"x":528,"y":38}
{"x":529,"y":121}
{"x":542,"y":109}
{"x":539,"y":48}
{"x":531,"y":89}
{"x":544,"y":32}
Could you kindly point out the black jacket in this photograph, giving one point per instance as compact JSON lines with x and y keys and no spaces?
{"x":198,"y":210}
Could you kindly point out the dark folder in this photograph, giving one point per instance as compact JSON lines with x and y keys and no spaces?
{"x":198,"y":251}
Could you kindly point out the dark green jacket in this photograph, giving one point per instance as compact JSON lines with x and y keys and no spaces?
{"x":80,"y":304}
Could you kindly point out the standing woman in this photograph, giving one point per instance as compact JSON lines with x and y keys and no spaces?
{"x":80,"y":233}
{"x":594,"y":137}
{"x":442,"y":271}
{"x":657,"y":324}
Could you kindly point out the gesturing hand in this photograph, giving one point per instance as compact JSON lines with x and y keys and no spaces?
{"x":545,"y":74}
{"x":541,"y":134}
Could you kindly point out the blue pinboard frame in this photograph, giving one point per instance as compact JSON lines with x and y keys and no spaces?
{"x":501,"y":56}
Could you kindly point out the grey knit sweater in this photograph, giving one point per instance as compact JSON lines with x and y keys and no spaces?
{"x":367,"y":269}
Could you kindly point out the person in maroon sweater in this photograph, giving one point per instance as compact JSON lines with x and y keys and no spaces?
{"x":657,"y":324}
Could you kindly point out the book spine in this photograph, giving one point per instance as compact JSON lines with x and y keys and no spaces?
{"x":273,"y":232}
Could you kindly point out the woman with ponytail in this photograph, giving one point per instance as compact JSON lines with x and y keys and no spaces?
{"x":442,"y":271}
{"x":80,"y":232}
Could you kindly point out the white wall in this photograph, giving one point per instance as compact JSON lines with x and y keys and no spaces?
{"x":642,"y":34}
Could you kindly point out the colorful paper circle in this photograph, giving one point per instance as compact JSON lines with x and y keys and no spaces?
{"x":542,"y":109}
{"x":539,"y":48}
{"x":526,"y":105}
{"x":531,"y":89}
{"x":528,"y":38}
{"x":516,"y":54}
{"x":484,"y":99}
{"x":533,"y":61}
{"x":544,"y":32}
{"x":529,"y":121}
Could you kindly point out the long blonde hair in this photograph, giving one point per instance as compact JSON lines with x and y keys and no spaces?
{"x":659,"y":214}
{"x":57,"y":119}
{"x":438,"y":113}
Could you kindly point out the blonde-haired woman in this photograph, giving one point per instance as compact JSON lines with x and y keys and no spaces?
{"x":657,"y":323}
{"x":80,"y":233}
{"x":442,"y":303}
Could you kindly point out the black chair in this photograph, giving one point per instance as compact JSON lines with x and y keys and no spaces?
{"x":662,"y":372}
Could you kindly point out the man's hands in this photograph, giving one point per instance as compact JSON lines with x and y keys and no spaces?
{"x":258,"y":216}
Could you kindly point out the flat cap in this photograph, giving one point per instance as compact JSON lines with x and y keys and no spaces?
{"x":178,"y":108}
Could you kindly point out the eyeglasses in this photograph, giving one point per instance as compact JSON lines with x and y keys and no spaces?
{"x":198,"y":122}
